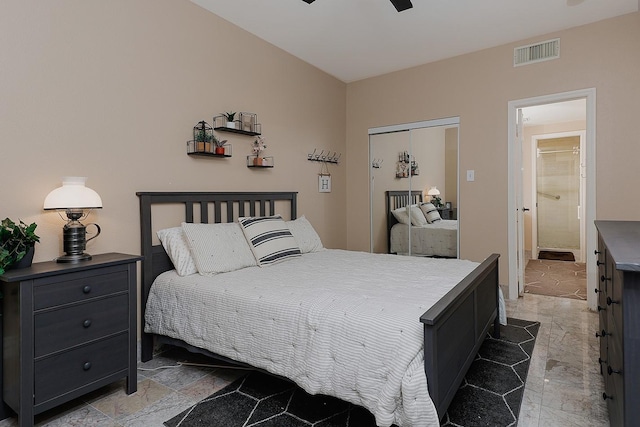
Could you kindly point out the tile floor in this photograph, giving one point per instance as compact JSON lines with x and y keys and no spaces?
{"x":563,"y":386}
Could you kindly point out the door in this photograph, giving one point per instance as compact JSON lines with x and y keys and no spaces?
{"x":521,"y":261}
{"x":587,"y":168}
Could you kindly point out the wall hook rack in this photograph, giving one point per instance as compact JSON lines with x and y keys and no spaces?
{"x":327,"y":157}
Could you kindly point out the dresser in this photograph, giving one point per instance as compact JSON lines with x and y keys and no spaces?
{"x":67,"y":329}
{"x":618,"y":259}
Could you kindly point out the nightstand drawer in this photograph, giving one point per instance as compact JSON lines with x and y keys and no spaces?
{"x":70,"y":370}
{"x":79,"y":286}
{"x":62,"y":328}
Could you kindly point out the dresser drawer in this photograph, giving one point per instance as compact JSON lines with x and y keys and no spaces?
{"x":58,"y":329}
{"x":79,"y":286}
{"x":70,"y":370}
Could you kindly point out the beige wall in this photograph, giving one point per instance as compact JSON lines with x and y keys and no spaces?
{"x":477,"y":87}
{"x":111,"y":90}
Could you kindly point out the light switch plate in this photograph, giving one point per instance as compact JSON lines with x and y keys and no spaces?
{"x":471,"y":175}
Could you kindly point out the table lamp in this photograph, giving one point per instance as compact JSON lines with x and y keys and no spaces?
{"x":435,"y":196}
{"x":74,"y":198}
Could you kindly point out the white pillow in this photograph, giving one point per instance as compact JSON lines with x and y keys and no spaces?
{"x":417,"y":217}
{"x":305,"y":235}
{"x":402,"y":215}
{"x":218,"y":248}
{"x":269,"y":238}
{"x":175,"y":244}
{"x":430,"y":212}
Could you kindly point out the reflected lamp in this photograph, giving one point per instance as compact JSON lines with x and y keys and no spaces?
{"x":435,"y":196}
{"x":76,"y":200}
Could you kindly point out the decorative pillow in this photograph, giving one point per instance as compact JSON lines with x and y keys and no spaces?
{"x":218,"y":248}
{"x":417,"y":217}
{"x":402,"y":215}
{"x":269,"y":238}
{"x":175,"y":244}
{"x":306,"y":237}
{"x":430,"y":212}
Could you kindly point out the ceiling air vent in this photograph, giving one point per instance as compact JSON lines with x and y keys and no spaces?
{"x":537,"y":52}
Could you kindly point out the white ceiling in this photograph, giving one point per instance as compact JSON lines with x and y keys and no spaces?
{"x":356,"y":39}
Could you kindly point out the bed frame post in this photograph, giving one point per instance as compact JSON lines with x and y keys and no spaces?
{"x":146,"y":340}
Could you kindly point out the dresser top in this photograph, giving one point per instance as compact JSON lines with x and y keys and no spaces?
{"x":623,"y":242}
{"x":52,"y":268}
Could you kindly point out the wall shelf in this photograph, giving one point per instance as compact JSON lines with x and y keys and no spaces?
{"x":206,"y":154}
{"x":207,"y":149}
{"x":238,"y":131}
{"x":265,"y":162}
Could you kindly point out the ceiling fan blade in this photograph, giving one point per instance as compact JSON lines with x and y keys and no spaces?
{"x":400,"y":5}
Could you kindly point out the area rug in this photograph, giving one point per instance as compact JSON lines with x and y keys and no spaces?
{"x":490,"y":395}
{"x":557,"y":256}
{"x":556,"y":278}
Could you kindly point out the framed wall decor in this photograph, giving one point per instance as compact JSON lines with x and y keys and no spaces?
{"x":324,"y":183}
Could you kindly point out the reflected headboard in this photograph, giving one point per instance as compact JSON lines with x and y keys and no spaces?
{"x":226,"y":207}
{"x":396,"y":199}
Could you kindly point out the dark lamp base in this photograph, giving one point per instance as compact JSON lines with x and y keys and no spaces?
{"x":74,"y":258}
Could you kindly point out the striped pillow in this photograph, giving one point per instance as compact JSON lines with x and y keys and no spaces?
{"x":430,"y":212}
{"x":270,"y":239}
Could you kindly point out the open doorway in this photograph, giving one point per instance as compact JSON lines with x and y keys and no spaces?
{"x":551,"y":153}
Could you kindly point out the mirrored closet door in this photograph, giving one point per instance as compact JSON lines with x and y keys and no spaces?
{"x":412,"y":165}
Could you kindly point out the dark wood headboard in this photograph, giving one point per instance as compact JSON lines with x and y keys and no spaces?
{"x":232,"y":204}
{"x":395,"y":199}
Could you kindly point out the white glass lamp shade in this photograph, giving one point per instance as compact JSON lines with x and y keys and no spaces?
{"x":73,"y":195}
{"x":433,"y":191}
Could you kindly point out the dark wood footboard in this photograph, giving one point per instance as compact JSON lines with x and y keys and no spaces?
{"x":454,"y":329}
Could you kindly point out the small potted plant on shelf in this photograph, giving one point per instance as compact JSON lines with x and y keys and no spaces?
{"x":203,"y":141}
{"x":259,"y":145}
{"x":219,"y":145}
{"x":230,"y":119}
{"x":17,"y":244}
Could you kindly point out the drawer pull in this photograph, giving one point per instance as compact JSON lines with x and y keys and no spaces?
{"x":602,"y":278}
{"x":87,"y":322}
{"x":86,"y":289}
{"x":86,"y":366}
{"x":598,"y":291}
{"x":602,"y":333}
{"x":610,"y":301}
{"x":596,"y":252}
{"x":599,"y":263}
{"x":605,"y":396}
{"x":610,"y":371}
{"x":601,"y":308}
{"x":600,"y":361}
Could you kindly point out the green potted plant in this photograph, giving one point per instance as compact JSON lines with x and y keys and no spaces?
{"x":230,"y":119}
{"x":203,"y":141}
{"x":17,"y":244}
{"x":219,"y":145}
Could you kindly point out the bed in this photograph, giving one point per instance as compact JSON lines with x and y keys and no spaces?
{"x":439,"y":239}
{"x":453,"y":325}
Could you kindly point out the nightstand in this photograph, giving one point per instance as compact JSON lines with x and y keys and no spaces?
{"x":68,"y":329}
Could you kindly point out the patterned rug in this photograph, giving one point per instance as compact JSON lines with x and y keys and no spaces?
{"x":556,"y":278}
{"x":490,"y":395}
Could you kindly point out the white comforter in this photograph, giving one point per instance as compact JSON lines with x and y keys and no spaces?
{"x":339,"y":323}
{"x":439,"y":238}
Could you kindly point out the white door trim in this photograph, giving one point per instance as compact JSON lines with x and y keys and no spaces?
{"x":590,"y":186}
